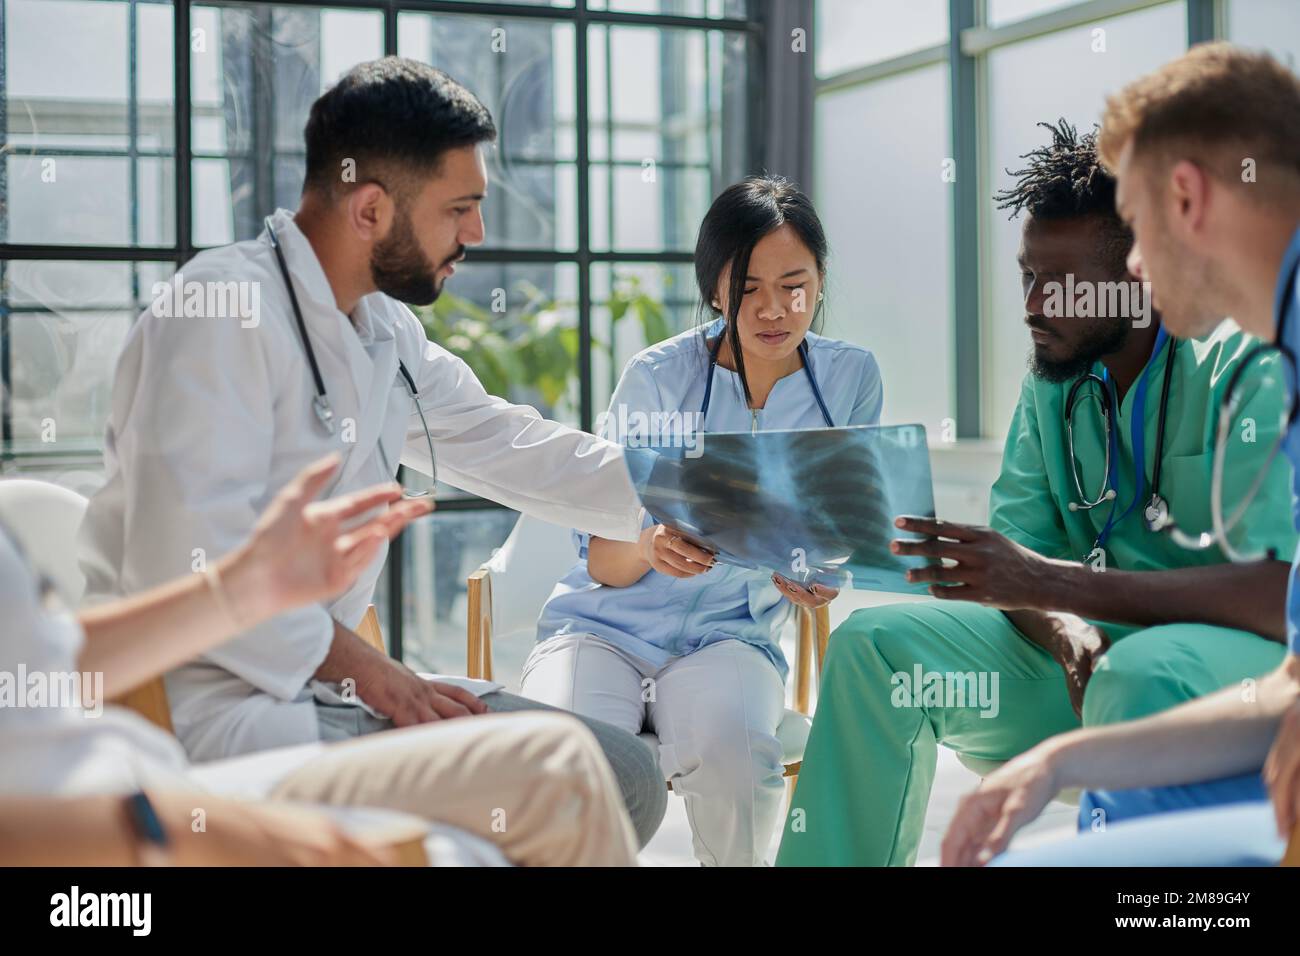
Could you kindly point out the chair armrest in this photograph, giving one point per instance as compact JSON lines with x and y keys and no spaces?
{"x":478,"y":624}
{"x":402,"y":834}
{"x":803,"y":658}
{"x":823,"y":615}
{"x":409,"y":852}
{"x":813,"y":632}
{"x":369,"y":631}
{"x":149,"y":700}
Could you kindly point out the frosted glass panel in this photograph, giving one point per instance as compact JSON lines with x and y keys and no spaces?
{"x":1006,"y":11}
{"x":1272,"y":25}
{"x":888,"y":213}
{"x":853,"y":33}
{"x":88,"y":136}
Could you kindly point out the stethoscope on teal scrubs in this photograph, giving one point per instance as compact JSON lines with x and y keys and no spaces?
{"x":321,"y":403}
{"x":1233,"y":398}
{"x":807,"y":369}
{"x":1157,"y":508}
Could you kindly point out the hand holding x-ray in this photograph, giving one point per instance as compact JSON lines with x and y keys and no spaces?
{"x":815,"y":506}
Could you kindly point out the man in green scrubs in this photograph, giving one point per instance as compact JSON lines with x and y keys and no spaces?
{"x":1056,"y":613}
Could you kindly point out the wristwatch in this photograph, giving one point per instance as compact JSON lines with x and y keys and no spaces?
{"x":153,"y":847}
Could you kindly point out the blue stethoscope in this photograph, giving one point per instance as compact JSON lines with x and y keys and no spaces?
{"x":1157,"y":508}
{"x":807,"y":370}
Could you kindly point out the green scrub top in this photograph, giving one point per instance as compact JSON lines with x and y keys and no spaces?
{"x":1036,"y":467}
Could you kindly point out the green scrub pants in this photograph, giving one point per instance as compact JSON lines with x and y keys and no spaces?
{"x":870,"y":761}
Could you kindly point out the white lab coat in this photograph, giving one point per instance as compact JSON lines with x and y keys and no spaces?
{"x":212,"y":415}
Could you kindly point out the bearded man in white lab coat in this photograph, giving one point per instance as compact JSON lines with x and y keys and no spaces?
{"x":216,"y":406}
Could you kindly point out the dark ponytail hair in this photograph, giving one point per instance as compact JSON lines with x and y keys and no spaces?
{"x":742,"y":215}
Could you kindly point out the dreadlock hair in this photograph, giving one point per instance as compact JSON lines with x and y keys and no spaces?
{"x":1066,"y":180}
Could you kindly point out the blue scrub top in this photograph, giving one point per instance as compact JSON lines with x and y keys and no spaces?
{"x":660,"y":617}
{"x":1288,"y":313}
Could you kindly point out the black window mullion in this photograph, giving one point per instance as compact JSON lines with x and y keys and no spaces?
{"x":611,"y":208}
{"x":965,"y":277}
{"x":6,"y":408}
{"x":581,"y":23}
{"x":1203,"y":23}
{"x":262,"y":80}
{"x":133,"y":131}
{"x":607,"y":34}
{"x":4,"y":160}
{"x":395,"y":571}
{"x":181,"y":136}
{"x":390,"y":29}
{"x":6,"y":405}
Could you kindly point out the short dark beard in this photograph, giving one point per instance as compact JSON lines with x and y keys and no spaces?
{"x":1106,"y":342}
{"x":399,"y":267}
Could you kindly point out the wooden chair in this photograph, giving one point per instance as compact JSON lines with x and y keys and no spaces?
{"x":369,"y":631}
{"x":149,"y":700}
{"x":508,"y":587}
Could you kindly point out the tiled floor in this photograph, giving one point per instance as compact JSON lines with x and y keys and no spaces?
{"x":671,"y":846}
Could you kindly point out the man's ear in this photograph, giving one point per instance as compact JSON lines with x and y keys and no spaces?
{"x":369,"y":211}
{"x":1188,"y":196}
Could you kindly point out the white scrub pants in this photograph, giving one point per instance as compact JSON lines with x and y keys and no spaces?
{"x":715,"y":712}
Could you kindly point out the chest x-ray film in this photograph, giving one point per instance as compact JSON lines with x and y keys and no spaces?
{"x":813,"y":505}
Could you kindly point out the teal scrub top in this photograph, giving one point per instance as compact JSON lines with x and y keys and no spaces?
{"x":1030,"y":500}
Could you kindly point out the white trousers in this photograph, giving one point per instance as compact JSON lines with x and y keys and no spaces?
{"x":715,"y":712}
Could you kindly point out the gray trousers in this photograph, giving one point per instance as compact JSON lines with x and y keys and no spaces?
{"x":635,"y":766}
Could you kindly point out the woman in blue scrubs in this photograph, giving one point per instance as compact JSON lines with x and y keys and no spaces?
{"x":654,"y":635}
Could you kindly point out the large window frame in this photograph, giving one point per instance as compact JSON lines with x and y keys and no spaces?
{"x":970,"y":40}
{"x":182,"y":153}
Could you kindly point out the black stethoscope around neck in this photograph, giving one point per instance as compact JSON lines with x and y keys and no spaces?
{"x":320,"y":403}
{"x":807,"y":370}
